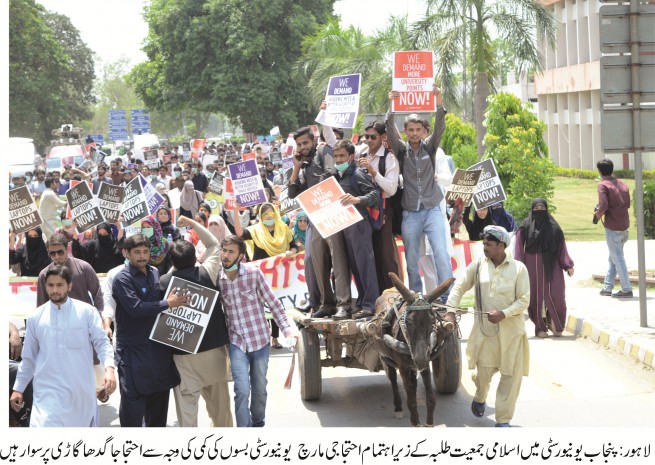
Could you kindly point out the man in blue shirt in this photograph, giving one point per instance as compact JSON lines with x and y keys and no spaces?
{"x":145,"y":368}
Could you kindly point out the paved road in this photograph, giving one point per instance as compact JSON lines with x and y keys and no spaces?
{"x":609,"y":390}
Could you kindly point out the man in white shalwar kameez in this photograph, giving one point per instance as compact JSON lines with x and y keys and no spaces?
{"x":498,"y":341}
{"x":57,"y":352}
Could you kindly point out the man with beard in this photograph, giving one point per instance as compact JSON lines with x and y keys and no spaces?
{"x":311,"y":165}
{"x":58,"y":341}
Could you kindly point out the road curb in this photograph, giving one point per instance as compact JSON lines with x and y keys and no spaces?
{"x":610,"y":339}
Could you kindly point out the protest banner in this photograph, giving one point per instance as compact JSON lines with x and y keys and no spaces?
{"x":247,"y":183}
{"x":342,"y":101}
{"x":154,"y":198}
{"x":84,"y":207}
{"x":249,"y":156}
{"x":110,"y":200}
{"x":490,"y":190}
{"x":286,"y":204}
{"x":72,"y":184}
{"x":276,"y":156}
{"x":185,"y":151}
{"x":135,"y":204}
{"x":196,"y":148}
{"x":23,"y":212}
{"x":183,"y":327}
{"x":413,"y":77}
{"x":275,"y":131}
{"x":322,"y":205}
{"x":152,"y":158}
{"x":463,"y":186}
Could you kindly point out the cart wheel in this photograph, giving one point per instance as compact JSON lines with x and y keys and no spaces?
{"x":309,"y":360}
{"x":447,"y":368}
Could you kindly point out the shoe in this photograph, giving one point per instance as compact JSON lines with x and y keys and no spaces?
{"x":277,"y":345}
{"x":364,"y":314}
{"x":606,"y":292}
{"x":342,"y":314}
{"x":622,"y":294}
{"x":304,"y":307}
{"x":102,"y":395}
{"x":478,"y":408}
{"x":323,"y":313}
{"x":542,"y":334}
{"x":503,"y":425}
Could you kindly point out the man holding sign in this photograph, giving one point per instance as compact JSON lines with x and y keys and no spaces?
{"x":205,"y":372}
{"x":146,"y":371}
{"x":422,"y":194}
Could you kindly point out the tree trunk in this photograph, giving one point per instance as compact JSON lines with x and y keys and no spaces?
{"x":481,"y":94}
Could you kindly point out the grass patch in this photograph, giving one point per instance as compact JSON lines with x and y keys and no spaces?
{"x":575,"y":200}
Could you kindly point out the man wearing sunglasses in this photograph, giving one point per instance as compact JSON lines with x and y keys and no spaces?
{"x":85,"y":287}
{"x":382,"y":165}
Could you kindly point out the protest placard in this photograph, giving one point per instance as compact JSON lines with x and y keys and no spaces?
{"x":287,"y":163}
{"x":342,"y":101}
{"x":196,"y":148}
{"x":247,"y":183}
{"x":249,"y":156}
{"x":217,"y":183}
{"x":135,"y":204}
{"x":490,"y":190}
{"x":286,"y":204}
{"x":153,"y":197}
{"x":463,"y":186}
{"x":289,"y":145}
{"x":152,"y":158}
{"x":413,"y":77}
{"x":23,"y":212}
{"x":183,"y":327}
{"x":110,"y":200}
{"x":84,"y":207}
{"x":322,"y":205}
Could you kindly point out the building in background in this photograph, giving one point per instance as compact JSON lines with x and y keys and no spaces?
{"x":568,"y":89}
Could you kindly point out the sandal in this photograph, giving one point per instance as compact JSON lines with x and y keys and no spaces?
{"x":478,"y":408}
{"x":102,"y":395}
{"x":277,"y":345}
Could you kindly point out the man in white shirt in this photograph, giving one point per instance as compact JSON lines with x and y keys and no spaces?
{"x":57,"y":350}
{"x":383,"y":167}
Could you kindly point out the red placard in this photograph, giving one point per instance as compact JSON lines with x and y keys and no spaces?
{"x":413,"y":77}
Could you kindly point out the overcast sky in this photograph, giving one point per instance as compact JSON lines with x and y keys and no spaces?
{"x":115,"y":28}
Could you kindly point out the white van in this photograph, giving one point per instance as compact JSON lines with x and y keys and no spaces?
{"x":21,"y":155}
{"x":62,"y":155}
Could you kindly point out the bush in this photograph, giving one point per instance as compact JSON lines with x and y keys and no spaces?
{"x":649,"y":208}
{"x":515,"y":142}
{"x":590,"y":174}
{"x":458,"y":141}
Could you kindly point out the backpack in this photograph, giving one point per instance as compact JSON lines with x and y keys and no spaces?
{"x":376,"y":212}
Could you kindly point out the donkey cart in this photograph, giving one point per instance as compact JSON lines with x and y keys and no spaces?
{"x":408,"y":333}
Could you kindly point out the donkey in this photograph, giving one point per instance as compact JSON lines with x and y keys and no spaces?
{"x":409,"y":336}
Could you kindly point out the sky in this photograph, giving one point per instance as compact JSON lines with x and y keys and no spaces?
{"x":116,"y":28}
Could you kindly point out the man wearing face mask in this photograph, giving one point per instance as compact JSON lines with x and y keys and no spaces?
{"x":356,"y":239}
{"x":244,"y":293}
{"x":312,"y":165}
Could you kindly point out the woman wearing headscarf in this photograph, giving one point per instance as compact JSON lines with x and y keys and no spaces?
{"x":228,"y":216}
{"x":100,"y":252}
{"x":481,"y":219}
{"x":300,"y":229}
{"x":502,"y":217}
{"x":268,"y":238}
{"x":218,"y":228}
{"x":540,"y":245}
{"x":166,"y":223}
{"x":32,"y":256}
{"x":190,"y":200}
{"x":151,"y":228}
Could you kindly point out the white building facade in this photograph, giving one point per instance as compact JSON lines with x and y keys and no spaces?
{"x":568,"y":89}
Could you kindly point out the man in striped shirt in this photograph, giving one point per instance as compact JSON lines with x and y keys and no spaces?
{"x":245,"y":293}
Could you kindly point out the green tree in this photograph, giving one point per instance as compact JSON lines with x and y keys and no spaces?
{"x":232,"y":56}
{"x":50,"y":72}
{"x":335,"y":51}
{"x":515,"y":141}
{"x":450,"y":26}
{"x":458,"y":141}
